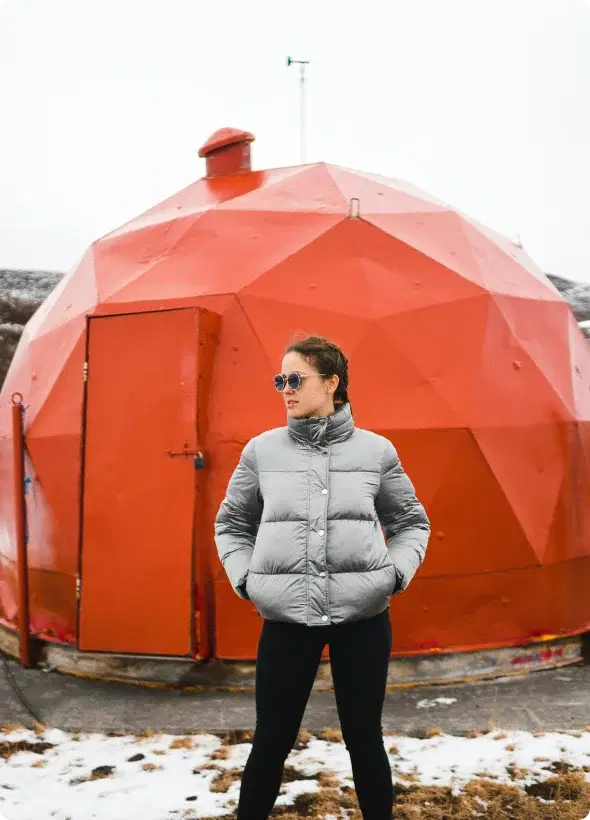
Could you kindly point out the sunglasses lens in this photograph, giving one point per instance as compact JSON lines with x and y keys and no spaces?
{"x":294,"y":381}
{"x":279,"y":383}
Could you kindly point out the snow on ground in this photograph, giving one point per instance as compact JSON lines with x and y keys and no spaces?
{"x":163,"y":777}
{"x":430,"y":704}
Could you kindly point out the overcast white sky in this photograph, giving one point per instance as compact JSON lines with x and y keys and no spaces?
{"x":483,"y":103}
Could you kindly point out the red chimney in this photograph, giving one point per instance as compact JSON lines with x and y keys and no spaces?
{"x":227,"y":151}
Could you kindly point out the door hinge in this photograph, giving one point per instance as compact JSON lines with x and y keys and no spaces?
{"x":85,"y":372}
{"x":78,"y":587}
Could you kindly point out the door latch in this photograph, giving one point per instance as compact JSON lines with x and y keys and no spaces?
{"x":198,"y":456}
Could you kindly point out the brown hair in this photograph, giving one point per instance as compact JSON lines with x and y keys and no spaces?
{"x":328,"y":359}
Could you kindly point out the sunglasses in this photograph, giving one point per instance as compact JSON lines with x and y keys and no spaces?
{"x":292,"y":380}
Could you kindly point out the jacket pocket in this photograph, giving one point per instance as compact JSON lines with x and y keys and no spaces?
{"x":396,"y":580}
{"x":243,"y":588}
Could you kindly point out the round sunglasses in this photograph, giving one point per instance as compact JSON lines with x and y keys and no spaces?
{"x":292,"y":380}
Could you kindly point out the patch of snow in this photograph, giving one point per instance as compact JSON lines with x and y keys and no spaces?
{"x":292,"y":790}
{"x":54,"y":784}
{"x":430,"y":704}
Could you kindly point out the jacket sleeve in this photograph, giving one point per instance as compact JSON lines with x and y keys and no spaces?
{"x":237,"y":520}
{"x":405,"y":524}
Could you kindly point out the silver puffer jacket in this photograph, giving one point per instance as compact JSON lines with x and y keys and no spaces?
{"x":320,"y":524}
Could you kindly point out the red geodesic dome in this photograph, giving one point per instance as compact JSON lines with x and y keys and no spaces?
{"x":161,"y":344}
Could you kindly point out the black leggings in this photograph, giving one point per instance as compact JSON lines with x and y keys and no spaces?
{"x":288,"y":659}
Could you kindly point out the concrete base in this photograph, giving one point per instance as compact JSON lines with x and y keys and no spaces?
{"x":408,"y":671}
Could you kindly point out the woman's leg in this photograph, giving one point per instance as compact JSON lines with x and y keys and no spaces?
{"x":286,"y":666}
{"x":359,"y":656}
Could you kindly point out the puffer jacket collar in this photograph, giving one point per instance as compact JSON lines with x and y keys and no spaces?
{"x":322,"y":431}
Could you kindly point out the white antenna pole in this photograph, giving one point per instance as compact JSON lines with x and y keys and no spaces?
{"x":302,"y":81}
{"x":301,"y":64}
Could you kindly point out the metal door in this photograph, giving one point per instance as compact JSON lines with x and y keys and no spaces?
{"x":138,"y":498}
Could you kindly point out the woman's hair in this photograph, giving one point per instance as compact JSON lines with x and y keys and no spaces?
{"x":328,"y":359}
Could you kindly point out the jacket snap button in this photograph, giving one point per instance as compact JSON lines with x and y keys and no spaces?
{"x":324,"y":492}
{"x":323,"y":574}
{"x":324,"y":617}
{"x":320,"y":532}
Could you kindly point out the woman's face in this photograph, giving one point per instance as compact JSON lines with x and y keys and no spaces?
{"x":315,"y":397}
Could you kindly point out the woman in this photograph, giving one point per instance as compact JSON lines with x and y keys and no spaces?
{"x":319,"y":527}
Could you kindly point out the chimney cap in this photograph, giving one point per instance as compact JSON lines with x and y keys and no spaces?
{"x":223,"y":138}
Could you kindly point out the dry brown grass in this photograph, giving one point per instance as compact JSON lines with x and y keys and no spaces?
{"x":222,"y":781}
{"x":12,"y":727}
{"x":479,"y":800}
{"x":290,"y":774}
{"x":220,"y":754}
{"x":516,"y":772}
{"x":431,"y":803}
{"x":12,"y":747}
{"x":318,"y":804}
{"x":409,"y":777}
{"x":321,"y":803}
{"x":151,"y":767}
{"x":303,"y":739}
{"x":182,"y":743}
{"x":433,"y":732}
{"x":146,"y":734}
{"x":101,"y":773}
{"x":349,"y":798}
{"x":235,"y":736}
{"x":330,"y":735}
{"x":328,"y":780}
{"x":496,"y":801}
{"x":569,"y":787}
{"x":562,"y":767}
